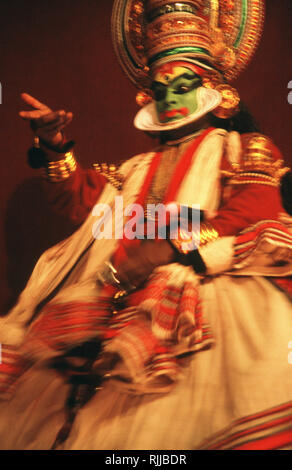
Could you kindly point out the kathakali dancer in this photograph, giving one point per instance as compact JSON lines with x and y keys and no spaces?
{"x":143,"y":341}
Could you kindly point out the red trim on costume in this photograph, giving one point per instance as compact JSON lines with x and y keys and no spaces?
{"x":275,"y":229}
{"x":252,"y":430}
{"x":60,"y":324}
{"x":183,"y":166}
{"x":281,"y":439}
{"x":270,"y":231}
{"x":173,"y":187}
{"x":11,"y":367}
{"x":121,"y":253}
{"x":276,"y":439}
{"x":285,"y":284}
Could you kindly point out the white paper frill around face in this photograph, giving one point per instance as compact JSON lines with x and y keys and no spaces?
{"x":147,"y":120}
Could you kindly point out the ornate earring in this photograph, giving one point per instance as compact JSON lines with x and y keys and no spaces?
{"x":230,"y":97}
{"x":144,"y":97}
{"x":230,"y":102}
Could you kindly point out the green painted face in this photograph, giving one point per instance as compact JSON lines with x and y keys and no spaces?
{"x":175,"y":95}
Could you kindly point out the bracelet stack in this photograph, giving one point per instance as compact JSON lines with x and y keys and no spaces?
{"x":56,"y":171}
{"x":187,"y":242}
{"x":186,"y":246}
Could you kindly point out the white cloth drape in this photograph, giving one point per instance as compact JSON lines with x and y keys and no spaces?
{"x":245,"y":372}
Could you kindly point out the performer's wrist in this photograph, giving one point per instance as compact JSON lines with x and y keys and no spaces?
{"x":54,"y":152}
{"x":187,"y":245}
{"x":190,"y":258}
{"x":58,"y":163}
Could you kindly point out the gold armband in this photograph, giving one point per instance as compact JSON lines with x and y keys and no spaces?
{"x":207,"y":234}
{"x":258,"y":164}
{"x":252,"y":178}
{"x":57,"y":171}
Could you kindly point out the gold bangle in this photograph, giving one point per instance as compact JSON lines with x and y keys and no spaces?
{"x":56,"y":171}
{"x":207,"y":234}
{"x":189,"y":241}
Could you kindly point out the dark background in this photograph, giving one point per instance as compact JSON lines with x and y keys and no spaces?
{"x":60,"y":52}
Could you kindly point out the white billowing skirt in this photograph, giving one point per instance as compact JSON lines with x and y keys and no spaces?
{"x":245,"y":372}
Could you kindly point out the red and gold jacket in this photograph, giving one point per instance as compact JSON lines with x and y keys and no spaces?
{"x":250,"y":190}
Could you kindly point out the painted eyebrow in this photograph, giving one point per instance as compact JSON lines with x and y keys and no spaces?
{"x":183,"y":76}
{"x":187,"y":76}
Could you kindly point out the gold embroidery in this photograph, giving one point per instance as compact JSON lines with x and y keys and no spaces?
{"x":111,"y":173}
{"x":258,"y":165}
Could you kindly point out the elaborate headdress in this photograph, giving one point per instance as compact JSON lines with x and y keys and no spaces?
{"x":218,"y":36}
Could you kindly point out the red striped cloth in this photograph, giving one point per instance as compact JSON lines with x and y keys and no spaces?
{"x":267,"y":430}
{"x":284,"y":284}
{"x":266,"y":230}
{"x":12,"y":366}
{"x":168,"y":323}
{"x":149,"y":341}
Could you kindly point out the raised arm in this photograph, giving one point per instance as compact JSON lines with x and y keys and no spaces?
{"x":70,"y":189}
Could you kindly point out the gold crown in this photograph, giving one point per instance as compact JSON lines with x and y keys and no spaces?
{"x":175,"y":28}
{"x":220,"y":34}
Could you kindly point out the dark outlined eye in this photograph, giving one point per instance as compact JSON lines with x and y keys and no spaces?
{"x":183,"y":89}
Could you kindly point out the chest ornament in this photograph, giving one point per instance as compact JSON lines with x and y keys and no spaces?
{"x":111,"y":173}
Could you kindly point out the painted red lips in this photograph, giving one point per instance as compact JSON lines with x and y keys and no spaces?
{"x":173,"y":112}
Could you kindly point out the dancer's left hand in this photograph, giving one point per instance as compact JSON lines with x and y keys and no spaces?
{"x":142,"y":260}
